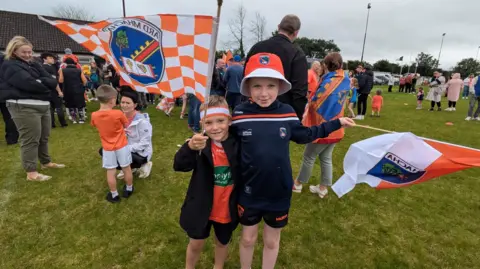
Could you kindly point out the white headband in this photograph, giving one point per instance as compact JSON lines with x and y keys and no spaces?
{"x":215,"y":111}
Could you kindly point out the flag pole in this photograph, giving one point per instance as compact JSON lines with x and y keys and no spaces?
{"x":213,"y":48}
{"x":373,"y":128}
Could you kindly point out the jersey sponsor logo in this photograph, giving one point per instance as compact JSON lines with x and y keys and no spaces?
{"x":222,"y":176}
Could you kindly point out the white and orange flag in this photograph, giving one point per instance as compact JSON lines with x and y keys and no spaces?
{"x":164,"y":53}
{"x":401,"y":159}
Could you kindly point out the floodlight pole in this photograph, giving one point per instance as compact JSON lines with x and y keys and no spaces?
{"x":369,"y":6}
{"x":440,"y":52}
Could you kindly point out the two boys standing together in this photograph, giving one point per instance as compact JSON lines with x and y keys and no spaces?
{"x":243,"y":173}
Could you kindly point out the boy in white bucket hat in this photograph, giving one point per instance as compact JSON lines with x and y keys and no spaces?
{"x":264,"y":127}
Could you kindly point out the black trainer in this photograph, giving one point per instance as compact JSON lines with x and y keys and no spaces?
{"x":126,"y":193}
{"x":111,"y":199}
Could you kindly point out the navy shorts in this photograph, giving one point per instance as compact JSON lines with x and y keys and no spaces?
{"x":223,"y":232}
{"x":252,"y":216}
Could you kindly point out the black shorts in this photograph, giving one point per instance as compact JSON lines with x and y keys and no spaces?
{"x":252,"y":216}
{"x":223,"y":232}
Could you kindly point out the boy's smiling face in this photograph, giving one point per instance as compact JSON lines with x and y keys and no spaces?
{"x":217,"y":127}
{"x":264,"y":91}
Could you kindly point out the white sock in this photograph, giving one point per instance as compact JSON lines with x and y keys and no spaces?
{"x":114,"y":194}
{"x":130,"y":188}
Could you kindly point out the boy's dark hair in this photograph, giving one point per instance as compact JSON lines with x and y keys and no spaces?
{"x":333,"y":61}
{"x":379,"y":92}
{"x":105,"y":93}
{"x":290,"y":24}
{"x":214,"y":101}
{"x":132,"y":95}
{"x":420,"y":88}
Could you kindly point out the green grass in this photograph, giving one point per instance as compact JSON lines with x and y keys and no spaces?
{"x":66,"y":223}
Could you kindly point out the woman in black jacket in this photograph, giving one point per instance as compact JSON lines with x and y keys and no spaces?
{"x":25,"y":87}
{"x":74,"y":82}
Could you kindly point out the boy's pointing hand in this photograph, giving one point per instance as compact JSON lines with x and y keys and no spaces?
{"x":198,"y":142}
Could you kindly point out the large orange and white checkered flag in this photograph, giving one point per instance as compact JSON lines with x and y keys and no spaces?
{"x":165,"y":53}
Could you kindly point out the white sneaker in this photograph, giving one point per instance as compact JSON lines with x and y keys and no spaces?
{"x":121,"y":175}
{"x":468,"y":118}
{"x":145,"y":170}
{"x":316,"y":189}
{"x":477,"y":118}
{"x":363,"y":117}
{"x":454,"y":109}
{"x":297,"y":188}
{"x":358,"y":117}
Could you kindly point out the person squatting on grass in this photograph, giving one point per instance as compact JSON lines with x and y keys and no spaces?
{"x":264,"y":127}
{"x":139,"y":135}
{"x":110,"y":124}
{"x":25,"y":86}
{"x":211,"y":199}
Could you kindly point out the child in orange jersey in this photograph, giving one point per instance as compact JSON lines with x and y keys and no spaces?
{"x":210,"y":200}
{"x":110,"y":125}
{"x":377,"y":103}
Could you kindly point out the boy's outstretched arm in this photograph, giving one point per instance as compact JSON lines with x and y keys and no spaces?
{"x":305,"y":135}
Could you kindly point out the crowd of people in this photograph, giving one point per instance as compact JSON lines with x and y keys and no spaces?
{"x":239,"y":152}
{"x":31,"y":93}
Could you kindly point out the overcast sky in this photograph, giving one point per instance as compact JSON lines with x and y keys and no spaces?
{"x":396,"y":28}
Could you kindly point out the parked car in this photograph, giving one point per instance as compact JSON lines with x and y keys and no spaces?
{"x":380,"y":80}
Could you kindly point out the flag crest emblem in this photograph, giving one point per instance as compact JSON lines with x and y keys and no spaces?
{"x":136,"y":45}
{"x":393,"y":169}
